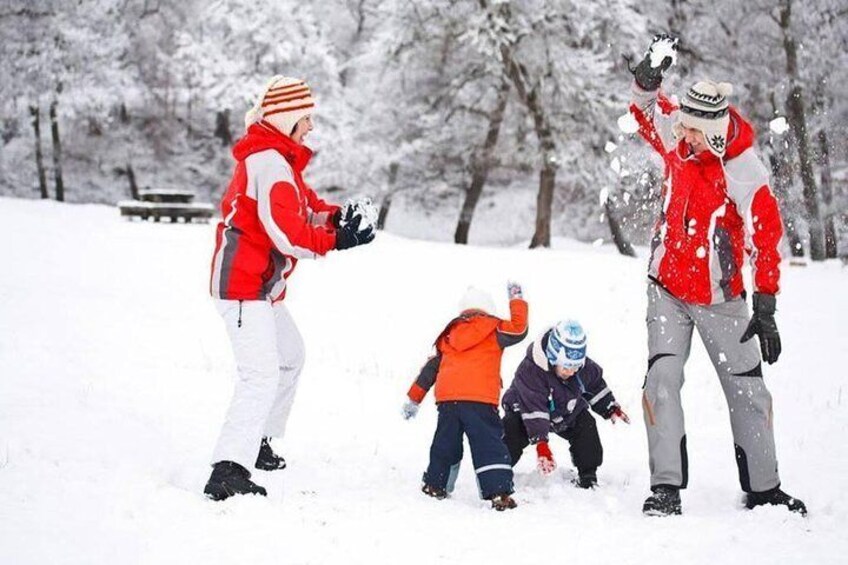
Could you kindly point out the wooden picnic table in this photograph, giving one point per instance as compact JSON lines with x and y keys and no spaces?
{"x":166,"y":196}
{"x":172,"y":204}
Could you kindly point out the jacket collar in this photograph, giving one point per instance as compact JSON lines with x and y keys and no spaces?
{"x":263,"y":136}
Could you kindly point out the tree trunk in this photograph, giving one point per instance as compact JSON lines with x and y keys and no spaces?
{"x":830,"y":235}
{"x":618,"y":237}
{"x":798,"y":119}
{"x":222,"y":127}
{"x":544,"y":203}
{"x":481,"y":164}
{"x":531,"y":98}
{"x":547,"y":150}
{"x":57,"y":152}
{"x":35,"y":112}
{"x":386,"y":205}
{"x":133,"y":184}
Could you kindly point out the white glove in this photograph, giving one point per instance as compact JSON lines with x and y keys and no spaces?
{"x":513,"y":290}
{"x":409,"y":409}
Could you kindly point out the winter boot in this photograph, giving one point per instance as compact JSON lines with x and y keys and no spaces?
{"x":501,"y":502}
{"x":587,"y":481}
{"x":776,"y":497}
{"x":665,"y":501}
{"x":435,"y":492}
{"x":267,"y":460}
{"x":230,"y":478}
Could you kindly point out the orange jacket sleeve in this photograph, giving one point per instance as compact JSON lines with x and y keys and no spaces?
{"x":514,"y":330}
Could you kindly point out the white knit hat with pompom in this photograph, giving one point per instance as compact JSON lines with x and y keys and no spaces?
{"x":284,"y":101}
{"x":477,"y":299}
{"x":705,"y":107}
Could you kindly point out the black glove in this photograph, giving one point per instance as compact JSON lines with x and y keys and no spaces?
{"x":648,"y":77}
{"x":350,"y":235}
{"x":763,"y":325}
{"x":336,"y":219}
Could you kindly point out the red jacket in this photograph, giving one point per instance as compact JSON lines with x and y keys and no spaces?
{"x":467,"y":365}
{"x":714,"y":211}
{"x":271,"y":218}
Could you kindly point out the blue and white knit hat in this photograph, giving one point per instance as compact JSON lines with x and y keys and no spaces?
{"x":567,"y":345}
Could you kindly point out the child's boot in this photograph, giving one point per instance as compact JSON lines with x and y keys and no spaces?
{"x":435,"y":492}
{"x":501,"y":502}
{"x":586,"y":480}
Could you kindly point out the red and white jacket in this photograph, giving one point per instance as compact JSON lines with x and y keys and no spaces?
{"x":271,"y":218}
{"x":714,"y":210}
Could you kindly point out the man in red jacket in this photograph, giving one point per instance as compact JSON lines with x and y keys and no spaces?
{"x":271,"y":219}
{"x":717,"y":207}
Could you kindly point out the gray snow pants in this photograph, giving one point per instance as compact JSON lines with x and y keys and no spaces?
{"x":670,"y":322}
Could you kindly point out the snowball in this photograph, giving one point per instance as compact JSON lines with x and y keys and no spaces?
{"x":627,"y":123}
{"x":779,"y":126}
{"x":662,"y":49}
{"x":610,"y":147}
{"x":604,"y":195}
{"x":615,"y":165}
{"x":363,"y":207}
{"x":701,"y":252}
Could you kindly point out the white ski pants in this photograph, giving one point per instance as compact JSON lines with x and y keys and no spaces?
{"x":269,"y":355}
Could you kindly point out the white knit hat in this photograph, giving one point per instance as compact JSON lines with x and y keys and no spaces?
{"x":477,"y":299}
{"x":283,"y":102}
{"x":704,"y":107}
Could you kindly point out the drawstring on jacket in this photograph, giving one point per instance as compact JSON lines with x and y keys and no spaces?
{"x":239,"y":318}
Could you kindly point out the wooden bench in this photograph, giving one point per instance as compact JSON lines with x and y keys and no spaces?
{"x":173,"y":204}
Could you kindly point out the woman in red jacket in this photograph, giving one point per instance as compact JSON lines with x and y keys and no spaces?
{"x":271,"y":219}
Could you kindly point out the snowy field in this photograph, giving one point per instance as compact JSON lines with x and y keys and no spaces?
{"x":115,"y":372}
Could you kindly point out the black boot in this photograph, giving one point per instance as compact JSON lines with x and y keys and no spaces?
{"x":586,"y":480}
{"x":267,"y":460}
{"x":230,"y":478}
{"x":776,"y":497}
{"x":665,"y":501}
{"x":435,"y":492}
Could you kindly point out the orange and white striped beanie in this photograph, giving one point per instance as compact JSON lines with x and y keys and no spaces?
{"x":283,"y":102}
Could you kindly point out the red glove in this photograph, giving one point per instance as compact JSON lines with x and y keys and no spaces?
{"x":544,"y":458}
{"x":618,"y":414}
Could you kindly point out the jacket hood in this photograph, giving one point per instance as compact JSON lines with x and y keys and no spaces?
{"x":264,"y":136}
{"x":468,"y":331}
{"x":536,"y":352}
{"x":740,"y":135}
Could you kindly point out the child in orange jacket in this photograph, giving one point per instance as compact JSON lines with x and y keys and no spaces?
{"x":467,"y":373}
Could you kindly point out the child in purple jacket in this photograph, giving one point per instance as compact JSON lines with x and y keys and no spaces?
{"x":552,"y":389}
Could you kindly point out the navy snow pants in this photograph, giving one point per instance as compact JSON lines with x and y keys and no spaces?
{"x":480,"y":422}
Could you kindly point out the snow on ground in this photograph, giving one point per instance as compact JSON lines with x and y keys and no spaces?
{"x":115,"y":373}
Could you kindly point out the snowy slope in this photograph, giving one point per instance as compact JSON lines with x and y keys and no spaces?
{"x":115,"y":372}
